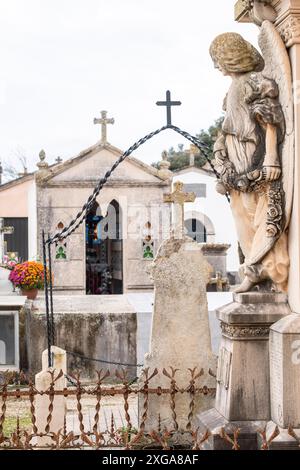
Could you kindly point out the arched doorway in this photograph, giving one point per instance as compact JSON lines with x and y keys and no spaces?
{"x":104,"y":253}
{"x":196,"y":230}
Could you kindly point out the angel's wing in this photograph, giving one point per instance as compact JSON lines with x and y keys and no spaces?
{"x":278,"y":68}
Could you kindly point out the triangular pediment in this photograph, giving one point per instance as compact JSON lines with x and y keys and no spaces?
{"x":95,"y":162}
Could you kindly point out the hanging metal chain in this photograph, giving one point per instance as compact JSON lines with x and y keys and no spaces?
{"x":51,"y":316}
{"x":48,"y":323}
{"x":102,"y":361}
{"x":71,"y":227}
{"x":80,"y":217}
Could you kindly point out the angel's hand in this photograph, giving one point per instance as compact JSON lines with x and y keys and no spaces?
{"x":220,"y":155}
{"x":271,"y":173}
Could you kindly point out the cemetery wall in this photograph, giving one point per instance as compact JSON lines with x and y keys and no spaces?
{"x":106,"y":336}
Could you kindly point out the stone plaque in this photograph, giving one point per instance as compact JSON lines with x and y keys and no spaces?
{"x":285,"y":372}
{"x":224,"y":366}
{"x":276,"y":376}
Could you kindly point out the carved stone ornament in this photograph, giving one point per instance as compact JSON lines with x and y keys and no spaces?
{"x":245,"y":332}
{"x":289,"y":31}
{"x":255,"y":11}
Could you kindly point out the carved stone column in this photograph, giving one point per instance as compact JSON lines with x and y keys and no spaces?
{"x":288,"y":25}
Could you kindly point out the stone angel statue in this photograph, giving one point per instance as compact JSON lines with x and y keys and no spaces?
{"x":254,"y":153}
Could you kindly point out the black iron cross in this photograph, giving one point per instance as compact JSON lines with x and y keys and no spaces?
{"x":168,"y":104}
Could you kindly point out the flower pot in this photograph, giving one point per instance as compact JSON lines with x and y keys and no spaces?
{"x":30,"y":294}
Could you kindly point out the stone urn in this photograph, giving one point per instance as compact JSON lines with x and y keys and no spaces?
{"x":30,"y":294}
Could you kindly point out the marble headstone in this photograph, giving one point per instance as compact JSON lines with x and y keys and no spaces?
{"x":180,"y":336}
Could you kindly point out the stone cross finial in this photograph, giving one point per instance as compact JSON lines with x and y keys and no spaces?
{"x":164,"y":164}
{"x":4,"y":231}
{"x":42,"y":163}
{"x":58,"y":160}
{"x":178,"y":197}
{"x":104,"y":120}
{"x":193,"y":152}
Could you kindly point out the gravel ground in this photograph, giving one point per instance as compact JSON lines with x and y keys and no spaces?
{"x":112,"y":409}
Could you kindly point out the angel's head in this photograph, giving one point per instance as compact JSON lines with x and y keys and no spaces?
{"x":233,"y":55}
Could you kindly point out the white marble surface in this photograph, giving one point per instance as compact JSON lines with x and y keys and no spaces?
{"x":87,"y":304}
{"x":6,"y":287}
{"x":7,"y":301}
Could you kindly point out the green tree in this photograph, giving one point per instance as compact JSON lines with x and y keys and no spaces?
{"x":180,"y":157}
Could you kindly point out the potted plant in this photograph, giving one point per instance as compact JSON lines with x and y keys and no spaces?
{"x":29,"y":278}
{"x":9,"y":262}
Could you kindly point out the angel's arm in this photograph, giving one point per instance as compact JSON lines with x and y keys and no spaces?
{"x":271,"y":162}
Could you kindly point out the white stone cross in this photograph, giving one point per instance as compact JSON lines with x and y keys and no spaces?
{"x":178,"y":197}
{"x":104,"y":121}
{"x":4,"y":231}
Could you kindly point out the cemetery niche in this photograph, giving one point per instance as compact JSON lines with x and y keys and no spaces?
{"x":9,"y":340}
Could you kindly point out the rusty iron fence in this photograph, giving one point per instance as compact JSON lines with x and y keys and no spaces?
{"x":91,"y":427}
{"x":121,"y":428}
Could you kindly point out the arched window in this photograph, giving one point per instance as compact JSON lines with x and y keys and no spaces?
{"x":60,"y":246}
{"x":104,"y":250}
{"x":196,"y":230}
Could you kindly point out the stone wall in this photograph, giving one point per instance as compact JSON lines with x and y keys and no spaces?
{"x":87,"y":330}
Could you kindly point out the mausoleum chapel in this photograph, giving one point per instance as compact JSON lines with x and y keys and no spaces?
{"x":156,"y":306}
{"x":110,"y":253}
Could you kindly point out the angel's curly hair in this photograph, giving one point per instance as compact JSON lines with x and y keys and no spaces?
{"x":236,"y":55}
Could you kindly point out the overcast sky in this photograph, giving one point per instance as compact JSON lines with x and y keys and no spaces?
{"x":63,"y":61}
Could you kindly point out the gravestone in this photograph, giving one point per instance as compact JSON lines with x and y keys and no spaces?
{"x":180,"y":334}
{"x":43,"y":381}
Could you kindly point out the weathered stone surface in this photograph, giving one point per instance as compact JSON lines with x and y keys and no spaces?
{"x":243,"y":390}
{"x":61,"y":193}
{"x":285,"y":372}
{"x":259,"y":179}
{"x":180,"y":334}
{"x":100,"y":327}
{"x":213,"y":422}
{"x":254,"y":309}
{"x":43,"y":380}
{"x":284,"y":440}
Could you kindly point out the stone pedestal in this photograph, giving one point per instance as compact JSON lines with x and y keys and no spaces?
{"x":243,"y":378}
{"x":180,"y":336}
{"x":285,"y":381}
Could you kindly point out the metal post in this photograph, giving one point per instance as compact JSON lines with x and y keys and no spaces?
{"x":51,"y":294}
{"x":47,"y":301}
